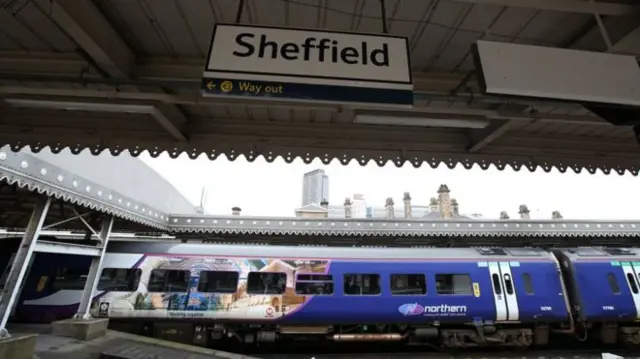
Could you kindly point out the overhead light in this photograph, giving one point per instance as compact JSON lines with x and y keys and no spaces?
{"x":80,"y":106}
{"x":424,"y":120}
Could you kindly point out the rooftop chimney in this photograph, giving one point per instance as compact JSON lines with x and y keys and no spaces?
{"x":524,"y":212}
{"x":324,"y":203}
{"x":556,"y":215}
{"x":235,"y":211}
{"x":454,"y":207}
{"x":347,"y":207}
{"x":504,"y":215}
{"x":444,"y":201}
{"x":390,"y":211}
{"x":407,"y":205}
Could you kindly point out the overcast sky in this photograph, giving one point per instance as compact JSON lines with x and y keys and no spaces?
{"x":274,"y":189}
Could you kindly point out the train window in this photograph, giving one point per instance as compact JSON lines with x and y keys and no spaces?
{"x":166,"y":280}
{"x":632,"y":283}
{"x":497,"y":288}
{"x":361,"y":284}
{"x":528,"y":283}
{"x":314,"y":284}
{"x":119,"y":279}
{"x":508,"y":284}
{"x":218,"y":282}
{"x":266,"y":283}
{"x":613,"y":283}
{"x":453,"y":284}
{"x":408,"y":284}
{"x":70,"y":278}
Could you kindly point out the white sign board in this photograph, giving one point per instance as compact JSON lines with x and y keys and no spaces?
{"x":309,"y":57}
{"x":560,"y":74}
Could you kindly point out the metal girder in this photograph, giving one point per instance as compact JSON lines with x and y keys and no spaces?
{"x":481,"y":138}
{"x":83,"y":22}
{"x":86,"y":25}
{"x":575,"y":6}
{"x":629,"y":44}
{"x":67,"y":248}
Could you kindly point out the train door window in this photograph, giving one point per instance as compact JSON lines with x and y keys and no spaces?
{"x":119,"y":279}
{"x":632,"y":283}
{"x":166,"y":280}
{"x":361,"y":284}
{"x":314,"y":284}
{"x":497,"y":288}
{"x":613,"y":283}
{"x":508,"y":284}
{"x":528,"y":283}
{"x":408,"y":284}
{"x":266,"y":283}
{"x":453,"y":284}
{"x":70,"y":278}
{"x":218,"y":282}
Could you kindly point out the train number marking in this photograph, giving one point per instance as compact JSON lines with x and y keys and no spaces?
{"x":546,"y":308}
{"x":608,"y":307}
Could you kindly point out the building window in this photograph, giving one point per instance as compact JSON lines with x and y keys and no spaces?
{"x":408,"y":284}
{"x":119,"y":279}
{"x":449,"y":284}
{"x":314,"y":284}
{"x":266,"y":283}
{"x":528,"y":283}
{"x":613,"y":283}
{"x":361,"y":284}
{"x":70,"y":278}
{"x":218,"y":282}
{"x":164,"y":280}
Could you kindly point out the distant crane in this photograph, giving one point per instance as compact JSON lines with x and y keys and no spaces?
{"x":203,"y":201}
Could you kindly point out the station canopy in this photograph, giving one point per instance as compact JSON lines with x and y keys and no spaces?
{"x":128,"y":75}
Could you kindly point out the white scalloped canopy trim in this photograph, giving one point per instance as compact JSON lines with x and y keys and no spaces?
{"x":345,"y":156}
{"x":43,"y":188}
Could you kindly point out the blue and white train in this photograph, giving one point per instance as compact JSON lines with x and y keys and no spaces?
{"x":455,"y":297}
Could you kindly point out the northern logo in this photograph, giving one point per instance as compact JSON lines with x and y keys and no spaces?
{"x":411,"y":309}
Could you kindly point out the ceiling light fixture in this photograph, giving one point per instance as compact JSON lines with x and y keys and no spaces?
{"x":423,"y":120}
{"x":80,"y":106}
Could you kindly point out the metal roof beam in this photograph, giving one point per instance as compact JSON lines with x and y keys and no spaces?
{"x":574,"y":6}
{"x":83,"y":22}
{"x":629,"y":44}
{"x":479,"y":139}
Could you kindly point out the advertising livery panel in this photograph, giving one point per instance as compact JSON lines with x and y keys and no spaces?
{"x":308,"y":65}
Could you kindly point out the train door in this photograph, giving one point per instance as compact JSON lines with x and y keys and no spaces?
{"x":504,"y":292}
{"x":631,"y":277}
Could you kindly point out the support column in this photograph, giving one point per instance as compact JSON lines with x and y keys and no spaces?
{"x":94,"y":271}
{"x":18,"y":271}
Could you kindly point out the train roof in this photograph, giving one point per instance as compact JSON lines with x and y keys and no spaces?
{"x":586,"y":253}
{"x":301,"y":252}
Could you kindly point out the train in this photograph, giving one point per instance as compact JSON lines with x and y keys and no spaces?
{"x":206,"y":294}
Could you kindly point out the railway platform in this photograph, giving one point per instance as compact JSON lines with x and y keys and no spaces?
{"x":114,"y":345}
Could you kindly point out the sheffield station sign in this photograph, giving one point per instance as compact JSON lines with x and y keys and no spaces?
{"x":308,"y":65}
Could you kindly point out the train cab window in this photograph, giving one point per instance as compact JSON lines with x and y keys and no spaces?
{"x":632,"y":283}
{"x":166,"y":280}
{"x":613,"y":283}
{"x":361,"y":284}
{"x":528,"y":283}
{"x":448,"y":284}
{"x":314,"y":284}
{"x":218,"y":282}
{"x":266,"y":283}
{"x":119,"y":279}
{"x":408,"y":284}
{"x":70,"y":278}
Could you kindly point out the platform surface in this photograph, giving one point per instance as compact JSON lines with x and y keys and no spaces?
{"x":115,"y":345}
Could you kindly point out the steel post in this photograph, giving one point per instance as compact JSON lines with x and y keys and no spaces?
{"x":84,"y":309}
{"x":18,"y":272}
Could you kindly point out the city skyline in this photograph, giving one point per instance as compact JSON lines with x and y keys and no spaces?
{"x":273,"y":189}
